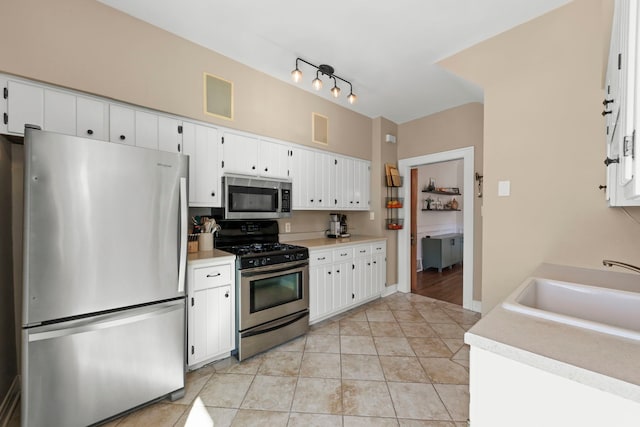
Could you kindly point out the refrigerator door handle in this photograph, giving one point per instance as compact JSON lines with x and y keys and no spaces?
{"x":183,"y":234}
{"x":101,"y":322}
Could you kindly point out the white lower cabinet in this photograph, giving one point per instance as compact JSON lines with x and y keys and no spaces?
{"x":211,"y":311}
{"x":345,"y":277}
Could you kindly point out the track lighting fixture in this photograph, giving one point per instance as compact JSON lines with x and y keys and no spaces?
{"x":326,"y":70}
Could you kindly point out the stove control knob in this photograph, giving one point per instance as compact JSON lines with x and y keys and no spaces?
{"x":263,"y":261}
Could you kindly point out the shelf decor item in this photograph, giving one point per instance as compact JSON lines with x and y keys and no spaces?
{"x":454,"y":204}
{"x":432,"y":184}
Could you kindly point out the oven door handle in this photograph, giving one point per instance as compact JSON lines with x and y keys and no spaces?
{"x":259,"y":271}
{"x":272,"y":326}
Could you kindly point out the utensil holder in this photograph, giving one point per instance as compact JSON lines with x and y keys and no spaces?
{"x":205,"y":242}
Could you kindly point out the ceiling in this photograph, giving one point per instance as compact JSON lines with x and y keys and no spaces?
{"x":387,"y":49}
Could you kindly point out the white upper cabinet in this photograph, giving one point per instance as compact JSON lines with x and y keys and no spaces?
{"x":169,"y":134}
{"x":273,"y":159}
{"x":240,"y":154}
{"x":59,"y":112}
{"x":146,"y":130}
{"x":321,"y":180}
{"x":201,"y":144}
{"x":301,"y":176}
{"x":122,"y":125}
{"x":92,"y":118}
{"x":25,"y":104}
{"x":362,"y":184}
{"x":247,"y":155}
{"x":621,"y":115}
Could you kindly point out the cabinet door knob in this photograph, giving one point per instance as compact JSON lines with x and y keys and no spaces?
{"x":253,"y":168}
{"x":226,"y":294}
{"x":266,"y":169}
{"x":609,"y":161}
{"x":89,"y":132}
{"x":122,"y":137}
{"x":605,"y":112}
{"x":213,"y":194}
{"x":607,"y":102}
{"x":311,"y":200}
{"x":328,"y":272}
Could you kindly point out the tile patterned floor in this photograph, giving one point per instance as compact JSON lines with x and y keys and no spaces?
{"x":398,"y":361}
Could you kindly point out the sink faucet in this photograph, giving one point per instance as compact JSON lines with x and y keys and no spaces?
{"x":611,"y":263}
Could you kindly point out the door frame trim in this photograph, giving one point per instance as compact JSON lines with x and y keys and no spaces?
{"x":468,"y":197}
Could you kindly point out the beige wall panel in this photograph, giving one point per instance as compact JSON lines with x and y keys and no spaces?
{"x":543,"y":132}
{"x":451,"y":129}
{"x":87,"y":46}
{"x":388,"y":154}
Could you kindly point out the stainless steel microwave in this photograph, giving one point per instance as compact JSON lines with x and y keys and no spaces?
{"x":247,"y":197}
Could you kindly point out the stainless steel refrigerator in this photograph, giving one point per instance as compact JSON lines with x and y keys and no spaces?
{"x":104,"y":275}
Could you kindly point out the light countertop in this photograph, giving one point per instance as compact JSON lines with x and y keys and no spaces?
{"x":327,"y":243}
{"x":606,"y":362}
{"x":202,"y":257}
{"x":319,"y":243}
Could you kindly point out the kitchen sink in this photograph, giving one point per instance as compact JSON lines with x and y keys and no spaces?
{"x":605,"y":310}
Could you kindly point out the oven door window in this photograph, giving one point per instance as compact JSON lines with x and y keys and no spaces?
{"x":252,"y":199}
{"x":273,"y":291}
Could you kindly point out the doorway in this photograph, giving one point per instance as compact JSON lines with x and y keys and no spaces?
{"x":437,"y":230}
{"x":405,"y":242}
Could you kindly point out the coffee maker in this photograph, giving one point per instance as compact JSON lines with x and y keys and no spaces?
{"x":337,"y":226}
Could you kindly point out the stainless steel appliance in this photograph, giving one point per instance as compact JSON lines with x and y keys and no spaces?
{"x":272,"y":282}
{"x":247,"y":197}
{"x":334,"y":226}
{"x":337,"y":226}
{"x":104,"y":272}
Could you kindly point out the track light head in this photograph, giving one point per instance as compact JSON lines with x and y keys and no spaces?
{"x":296,"y":75}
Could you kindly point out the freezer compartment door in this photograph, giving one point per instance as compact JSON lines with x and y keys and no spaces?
{"x":80,"y":372}
{"x":103,"y":226}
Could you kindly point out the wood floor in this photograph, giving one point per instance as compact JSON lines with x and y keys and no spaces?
{"x":445,"y":286}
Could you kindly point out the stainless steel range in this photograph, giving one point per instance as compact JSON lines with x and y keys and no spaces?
{"x":272,"y":282}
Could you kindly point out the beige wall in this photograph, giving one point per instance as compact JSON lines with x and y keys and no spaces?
{"x":451,"y":129}
{"x":384,"y":152}
{"x":87,"y":46}
{"x":543,"y":132}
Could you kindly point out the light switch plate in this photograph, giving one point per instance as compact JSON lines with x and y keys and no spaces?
{"x":372,"y":215}
{"x":504,"y":188}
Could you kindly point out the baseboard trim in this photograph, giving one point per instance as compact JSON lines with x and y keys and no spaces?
{"x":476,"y":306}
{"x":10,"y":402}
{"x":388,"y":290}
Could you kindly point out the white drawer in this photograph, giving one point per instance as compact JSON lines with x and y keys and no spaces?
{"x":342,"y":254}
{"x":320,"y":257}
{"x":379,"y":248}
{"x":211,"y":277}
{"x":361,"y":250}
